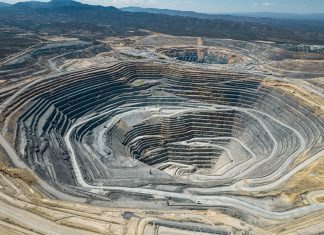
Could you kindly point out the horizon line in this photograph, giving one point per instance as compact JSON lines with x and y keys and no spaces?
{"x":174,"y":9}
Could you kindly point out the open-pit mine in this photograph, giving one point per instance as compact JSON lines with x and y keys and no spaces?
{"x":159,"y":134}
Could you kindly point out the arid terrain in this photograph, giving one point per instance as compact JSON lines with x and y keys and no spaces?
{"x":159,"y":134}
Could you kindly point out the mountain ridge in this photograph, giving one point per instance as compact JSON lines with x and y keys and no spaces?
{"x":4,"y":4}
{"x":68,"y":17}
{"x":59,"y":4}
{"x":273,"y":15}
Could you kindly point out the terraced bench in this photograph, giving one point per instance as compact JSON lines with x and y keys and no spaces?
{"x":214,"y":126}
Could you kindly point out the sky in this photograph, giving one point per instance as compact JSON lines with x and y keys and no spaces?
{"x":217,"y":6}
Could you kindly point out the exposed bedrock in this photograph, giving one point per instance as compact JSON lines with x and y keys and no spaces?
{"x":137,"y":124}
{"x":202,"y":55}
{"x":46,"y":57}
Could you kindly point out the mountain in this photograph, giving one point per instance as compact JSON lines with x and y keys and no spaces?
{"x":192,"y":14}
{"x":3,"y":4}
{"x":288,"y":16}
{"x":170,"y":12}
{"x":38,"y":9}
{"x":67,"y":17}
{"x":301,"y":22}
{"x":30,"y":4}
{"x":237,"y":16}
{"x":51,"y":4}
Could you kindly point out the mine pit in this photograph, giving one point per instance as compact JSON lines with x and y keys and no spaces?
{"x":201,"y":55}
{"x":153,"y":122}
{"x":122,"y":122}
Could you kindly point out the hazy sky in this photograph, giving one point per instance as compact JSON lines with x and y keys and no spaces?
{"x":218,"y":6}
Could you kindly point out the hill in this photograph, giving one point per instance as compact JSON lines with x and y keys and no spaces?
{"x":301,"y":22}
{"x":3,"y":4}
{"x":70,"y":17}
